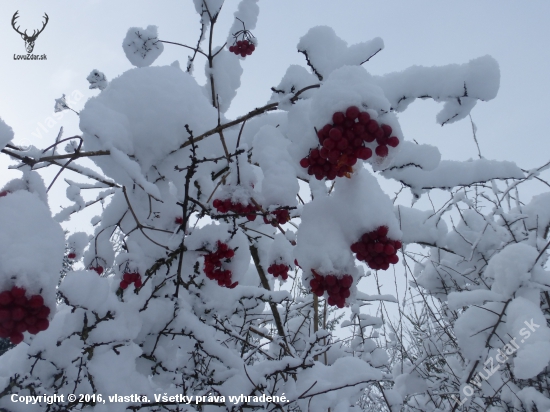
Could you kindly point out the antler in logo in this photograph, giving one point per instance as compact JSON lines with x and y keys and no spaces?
{"x":29,"y":40}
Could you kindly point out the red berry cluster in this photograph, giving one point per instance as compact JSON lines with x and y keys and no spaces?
{"x":337,"y":288}
{"x":376,"y":249}
{"x":213,"y":265}
{"x":224,"y":206}
{"x":129,"y":278}
{"x":343,"y":142}
{"x":98,"y":269}
{"x":19,"y":314}
{"x":280,"y":216}
{"x":243,"y":48}
{"x":278,"y":270}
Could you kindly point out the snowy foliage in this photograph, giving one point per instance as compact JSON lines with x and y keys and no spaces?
{"x":6,"y":134}
{"x":97,"y":80}
{"x":175,"y":294}
{"x":142,"y":46}
{"x":60,"y":104}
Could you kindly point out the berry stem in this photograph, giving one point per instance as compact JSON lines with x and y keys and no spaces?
{"x":265,"y":284}
{"x":315,"y":318}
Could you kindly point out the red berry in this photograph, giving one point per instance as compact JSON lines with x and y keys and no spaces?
{"x":329,"y":144}
{"x":71,"y":255}
{"x":334,"y":289}
{"x":381,"y":151}
{"x":3,"y":193}
{"x":346,"y":281}
{"x":22,"y":301}
{"x":178,"y":220}
{"x":397,"y":245}
{"x":389,"y":250}
{"x":5,"y":298}
{"x":351,"y":160}
{"x":304,"y":162}
{"x":8,"y":324}
{"x":44,"y":312}
{"x":5,"y":314}
{"x":36,"y":301}
{"x":382,"y":231}
{"x":314,"y":154}
{"x":348,"y":124}
{"x":42,"y":324}
{"x":355,"y":247}
{"x":393,"y":259}
{"x":16,"y":338}
{"x":20,"y":327}
{"x":333,"y":156}
{"x":342,"y":144}
{"x":330,"y":280}
{"x":358,"y":129}
{"x":393,"y":141}
{"x":363,"y":118}
{"x":335,"y":134}
{"x":386,"y":129}
{"x":17,"y":292}
{"x":352,"y":113}
{"x":17,"y":313}
{"x":4,"y":333}
{"x":98,"y":269}
{"x":357,"y":142}
{"x":338,"y":118}
{"x":138,"y":283}
{"x":367,"y":137}
{"x":124,"y":284}
{"x":372,"y":126}
{"x":380,"y":138}
{"x":363,"y":153}
{"x":314,"y":283}
{"x":319,"y":291}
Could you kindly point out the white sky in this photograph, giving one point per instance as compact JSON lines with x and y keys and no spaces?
{"x":87,"y":34}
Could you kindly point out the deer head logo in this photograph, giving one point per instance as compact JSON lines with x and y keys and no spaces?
{"x":29,"y":40}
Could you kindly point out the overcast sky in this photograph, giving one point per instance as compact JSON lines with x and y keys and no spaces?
{"x":87,"y":34}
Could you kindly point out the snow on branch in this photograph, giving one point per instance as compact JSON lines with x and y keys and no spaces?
{"x":459,"y":86}
{"x":6,"y":134}
{"x":450,"y":173}
{"x":142,"y":46}
{"x":326,"y":52}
